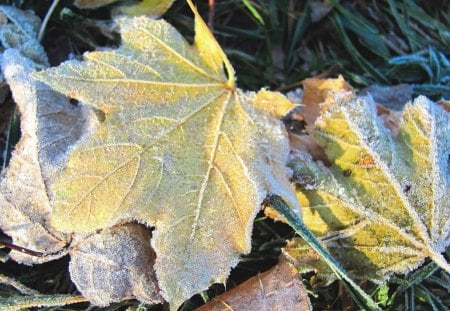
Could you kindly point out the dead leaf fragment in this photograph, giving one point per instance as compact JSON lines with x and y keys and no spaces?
{"x":318,"y":96}
{"x":391,"y":119}
{"x":277,"y":289}
{"x":114,"y":265}
{"x":180,"y":148}
{"x":382,"y":208}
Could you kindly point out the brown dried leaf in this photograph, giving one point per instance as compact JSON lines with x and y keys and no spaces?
{"x":445,"y":104}
{"x":115,"y":264}
{"x":317,"y":97}
{"x":277,"y":289}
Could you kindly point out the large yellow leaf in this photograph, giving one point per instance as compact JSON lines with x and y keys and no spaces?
{"x":176,"y":146}
{"x":383,"y":207}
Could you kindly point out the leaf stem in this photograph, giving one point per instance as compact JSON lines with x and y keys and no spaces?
{"x":46,"y":19}
{"x":21,"y":249}
{"x":360,"y":297}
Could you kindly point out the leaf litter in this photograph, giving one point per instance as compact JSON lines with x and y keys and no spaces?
{"x":341,"y":230}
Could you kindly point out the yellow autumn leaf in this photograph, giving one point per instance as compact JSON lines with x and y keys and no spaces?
{"x":383,"y":207}
{"x":151,"y":8}
{"x":176,"y":146}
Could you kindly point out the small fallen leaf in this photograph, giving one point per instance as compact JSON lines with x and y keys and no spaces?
{"x":382,"y":208}
{"x":114,"y":265}
{"x":317,"y":97}
{"x":277,"y":289}
{"x":179,"y":148}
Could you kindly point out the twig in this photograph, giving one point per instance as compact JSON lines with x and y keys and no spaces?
{"x":211,"y":14}
{"x":21,"y":249}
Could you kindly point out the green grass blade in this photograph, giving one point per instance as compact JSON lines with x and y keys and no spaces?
{"x":432,"y":90}
{"x":17,"y":285}
{"x":435,"y":303}
{"x":253,"y":11}
{"x":435,"y":65}
{"x":360,"y":297}
{"x":414,"y":279}
{"x":402,"y":22}
{"x":368,"y":33}
{"x":437,"y":281}
{"x":411,"y":299}
{"x":36,"y":301}
{"x":359,"y":59}
{"x":300,"y":27}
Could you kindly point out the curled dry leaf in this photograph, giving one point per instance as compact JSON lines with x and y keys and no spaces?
{"x":114,"y":265}
{"x":49,"y":126}
{"x":277,"y":289}
{"x":180,"y":148}
{"x":382,"y":207}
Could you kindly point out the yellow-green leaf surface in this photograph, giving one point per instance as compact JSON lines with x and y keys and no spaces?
{"x":151,"y":8}
{"x":176,"y":146}
{"x":383,"y":206}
